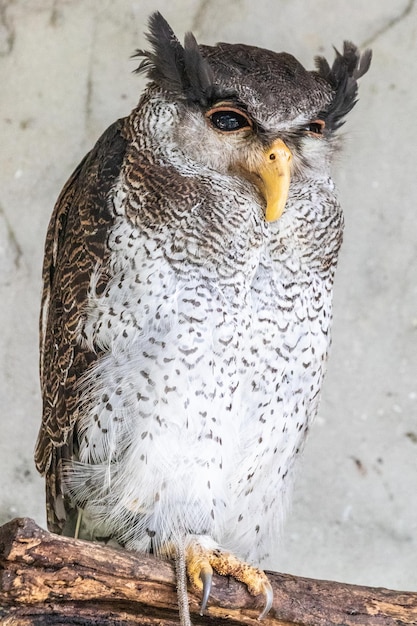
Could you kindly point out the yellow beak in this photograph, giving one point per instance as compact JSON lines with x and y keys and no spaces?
{"x":275,"y":174}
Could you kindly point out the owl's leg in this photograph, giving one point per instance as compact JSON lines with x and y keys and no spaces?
{"x":203,"y":557}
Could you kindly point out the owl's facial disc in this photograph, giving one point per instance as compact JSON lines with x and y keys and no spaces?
{"x":272,"y":172}
{"x":273,"y":178}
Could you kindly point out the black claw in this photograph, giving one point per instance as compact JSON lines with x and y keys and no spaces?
{"x":207,"y":578}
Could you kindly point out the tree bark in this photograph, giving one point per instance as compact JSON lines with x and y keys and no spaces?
{"x":49,"y":579}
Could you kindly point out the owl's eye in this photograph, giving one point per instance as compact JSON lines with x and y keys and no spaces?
{"x":315,"y":128}
{"x":228,"y":119}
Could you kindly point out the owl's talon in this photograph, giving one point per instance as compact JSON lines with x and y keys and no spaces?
{"x":269,"y":597}
{"x":206,"y":576}
{"x":203,"y":556}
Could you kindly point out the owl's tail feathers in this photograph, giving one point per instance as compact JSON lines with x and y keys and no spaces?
{"x":182,"y":595}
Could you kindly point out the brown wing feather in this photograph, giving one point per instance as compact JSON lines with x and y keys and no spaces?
{"x":75,"y":244}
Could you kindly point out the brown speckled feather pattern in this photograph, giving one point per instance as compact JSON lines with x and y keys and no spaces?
{"x":75,"y":244}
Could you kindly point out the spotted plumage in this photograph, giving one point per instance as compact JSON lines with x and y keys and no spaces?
{"x":184,"y":332}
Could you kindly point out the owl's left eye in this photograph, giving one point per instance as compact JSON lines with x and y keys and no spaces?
{"x":315,"y":128}
{"x":228,"y":119}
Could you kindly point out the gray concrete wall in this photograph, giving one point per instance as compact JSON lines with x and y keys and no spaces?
{"x":65,"y":75}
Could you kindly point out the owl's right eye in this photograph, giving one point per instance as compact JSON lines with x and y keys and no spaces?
{"x":228,"y":119}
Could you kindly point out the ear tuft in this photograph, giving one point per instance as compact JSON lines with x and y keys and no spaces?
{"x":177,"y":69}
{"x":199,"y":73}
{"x":347,"y":68}
{"x":165,"y":63}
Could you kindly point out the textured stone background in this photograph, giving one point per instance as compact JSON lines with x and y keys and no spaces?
{"x":65,"y":75}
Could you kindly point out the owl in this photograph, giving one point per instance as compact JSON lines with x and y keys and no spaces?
{"x":187,"y":305}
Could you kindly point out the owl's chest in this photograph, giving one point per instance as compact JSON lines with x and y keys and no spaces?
{"x":207,"y":293}
{"x":289,"y":339}
{"x":209,"y":365}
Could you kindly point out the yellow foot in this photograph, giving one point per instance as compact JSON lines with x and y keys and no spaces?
{"x":203,"y":556}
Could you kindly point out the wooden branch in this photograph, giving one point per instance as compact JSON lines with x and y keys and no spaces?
{"x":48,"y":579}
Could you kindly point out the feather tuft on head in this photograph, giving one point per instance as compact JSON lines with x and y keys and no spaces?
{"x":181,"y":70}
{"x":342,"y":76}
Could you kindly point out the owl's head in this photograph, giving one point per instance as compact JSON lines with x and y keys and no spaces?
{"x":253,"y":112}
